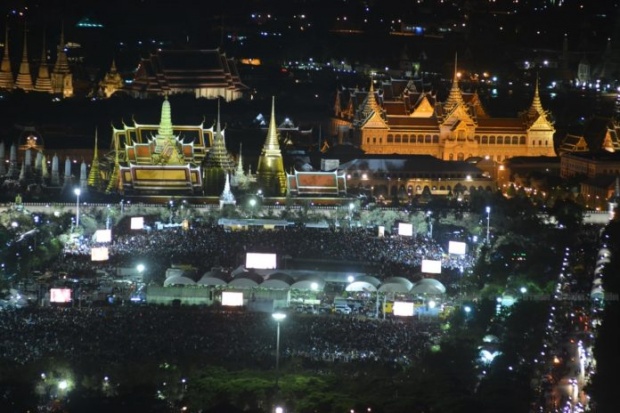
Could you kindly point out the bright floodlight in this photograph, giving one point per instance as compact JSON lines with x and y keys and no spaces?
{"x":488,"y":209}
{"x":523,"y":290}
{"x":314,"y":286}
{"x":62,"y":385}
{"x":350,"y":278}
{"x":278,"y":316}
{"x":431,"y":304}
{"x":467,"y":309}
{"x":252,"y":202}
{"x":279,"y":409}
{"x":77,"y":191}
{"x":140,"y":267}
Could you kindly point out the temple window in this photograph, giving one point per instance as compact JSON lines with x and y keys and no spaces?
{"x":380,"y":140}
{"x":397,"y":139}
{"x":435,"y":138}
{"x":420,"y":139}
{"x":390,"y":139}
{"x":427,"y":139}
{"x":405,"y":139}
{"x":515,"y":140}
{"x":540,"y":143}
{"x":374,"y":140}
{"x":522,"y":140}
{"x":500,"y":140}
{"x":451,"y":157}
{"x":460,"y":156}
{"x":477,"y":139}
{"x":485,"y":140}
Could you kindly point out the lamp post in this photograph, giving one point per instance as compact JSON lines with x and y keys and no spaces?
{"x":351,"y":208}
{"x":77,"y":192}
{"x":429,"y":215}
{"x":252,"y":205}
{"x":488,"y":222}
{"x":278,"y":317}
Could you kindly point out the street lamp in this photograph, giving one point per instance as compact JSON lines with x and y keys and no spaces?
{"x":278,"y":317}
{"x":77,"y":192}
{"x":488,"y":222}
{"x":351,"y":208}
{"x":429,"y":215}
{"x":252,"y":205}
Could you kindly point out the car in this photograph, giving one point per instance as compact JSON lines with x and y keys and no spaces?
{"x":342,"y":309}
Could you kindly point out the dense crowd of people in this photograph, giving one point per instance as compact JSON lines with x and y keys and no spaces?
{"x":113,"y":335}
{"x":206,"y":247}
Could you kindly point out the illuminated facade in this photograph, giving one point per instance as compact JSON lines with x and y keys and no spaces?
{"x":162,"y":158}
{"x":399,"y":120}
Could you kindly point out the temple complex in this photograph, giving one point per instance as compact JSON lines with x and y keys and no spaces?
{"x":59,"y":81}
{"x":397,"y":119}
{"x":203,"y":73}
{"x":164,"y":158}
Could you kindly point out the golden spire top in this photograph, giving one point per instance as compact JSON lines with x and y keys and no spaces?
{"x":94,"y":176}
{"x":24,"y":79}
{"x":371,"y":105}
{"x":6,"y":73}
{"x":536,"y":104}
{"x":455,"y":98}
{"x":272,"y":133}
{"x":165,"y":123}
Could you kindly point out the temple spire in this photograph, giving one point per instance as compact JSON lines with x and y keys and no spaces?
{"x":6,"y":73}
{"x":165,"y":122}
{"x":94,"y":175}
{"x":218,"y":162}
{"x":536,"y":107}
{"x":270,"y":170}
{"x":44,"y":82}
{"x":455,"y":98}
{"x":24,"y":79}
{"x":62,"y":79}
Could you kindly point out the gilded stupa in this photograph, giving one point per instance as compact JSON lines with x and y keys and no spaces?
{"x":6,"y":73}
{"x":271,"y":176}
{"x":218,"y":164}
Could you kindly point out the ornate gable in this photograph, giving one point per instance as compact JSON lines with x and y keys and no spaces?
{"x":424,"y":109}
{"x":374,"y":121}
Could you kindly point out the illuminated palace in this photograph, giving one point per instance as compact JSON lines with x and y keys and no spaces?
{"x":160,"y":158}
{"x":397,"y":119}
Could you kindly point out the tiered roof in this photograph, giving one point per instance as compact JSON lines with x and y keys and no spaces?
{"x":185,"y":70}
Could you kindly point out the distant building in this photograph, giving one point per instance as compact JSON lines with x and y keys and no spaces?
{"x":398,"y":119}
{"x":598,"y":133}
{"x":590,"y":164}
{"x":111,"y":82}
{"x":204,"y":73}
{"x":409,"y":176}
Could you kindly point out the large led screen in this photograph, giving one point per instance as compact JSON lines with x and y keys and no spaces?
{"x":431,"y":266}
{"x":458,"y":248}
{"x":232,"y":299}
{"x":406,"y":230}
{"x":60,"y":295}
{"x":260,"y":261}
{"x":99,"y":254}
{"x":103,"y":235}
{"x":137,"y":222}
{"x":403,"y":308}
